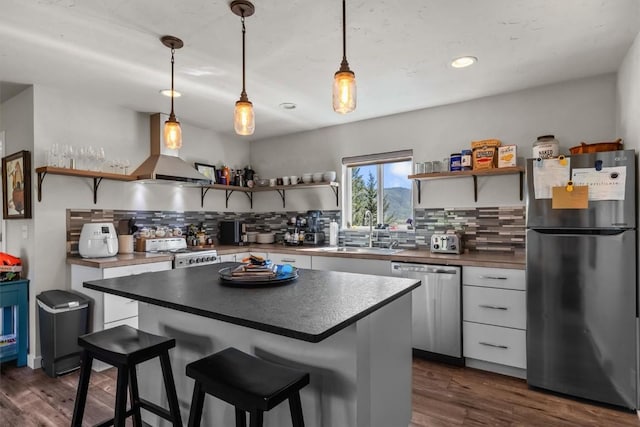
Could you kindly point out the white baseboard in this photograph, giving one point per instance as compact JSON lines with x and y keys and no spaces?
{"x":34,"y":362}
{"x":496,"y":367}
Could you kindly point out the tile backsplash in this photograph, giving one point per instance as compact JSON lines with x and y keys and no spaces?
{"x":264,"y":221}
{"x":488,"y":229}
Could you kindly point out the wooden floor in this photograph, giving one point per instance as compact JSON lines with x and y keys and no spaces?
{"x":443,"y":395}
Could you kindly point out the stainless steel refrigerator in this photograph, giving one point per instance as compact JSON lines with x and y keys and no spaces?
{"x":582,"y":293}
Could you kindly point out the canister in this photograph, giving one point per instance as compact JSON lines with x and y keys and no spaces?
{"x":455,"y":162}
{"x":465,"y":161}
{"x":545,"y":147}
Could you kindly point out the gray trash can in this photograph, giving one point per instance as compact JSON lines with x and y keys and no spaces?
{"x":63,"y":317}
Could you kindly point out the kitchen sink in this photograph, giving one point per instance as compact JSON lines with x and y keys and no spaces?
{"x":360,"y":250}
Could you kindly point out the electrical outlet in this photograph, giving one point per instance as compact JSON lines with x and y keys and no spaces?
{"x":25,"y":231}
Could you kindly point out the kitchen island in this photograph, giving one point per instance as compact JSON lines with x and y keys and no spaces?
{"x":352,"y":332}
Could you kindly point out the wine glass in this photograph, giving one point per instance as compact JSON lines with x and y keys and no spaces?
{"x":91,"y":157}
{"x":100,"y":158}
{"x":54,"y":152}
{"x":125,"y":165}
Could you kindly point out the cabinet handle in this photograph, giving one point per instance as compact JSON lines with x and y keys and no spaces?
{"x":494,"y":277}
{"x":131,"y":301}
{"x":494,"y":307}
{"x":493,"y":345}
{"x":288,"y":260}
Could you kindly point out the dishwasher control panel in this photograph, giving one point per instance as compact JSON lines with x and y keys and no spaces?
{"x":446,"y":243}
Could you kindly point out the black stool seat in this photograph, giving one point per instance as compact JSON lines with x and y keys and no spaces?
{"x":246,"y":382}
{"x":124,"y":347}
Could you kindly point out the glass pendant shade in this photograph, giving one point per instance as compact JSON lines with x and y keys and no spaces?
{"x":172,"y":134}
{"x":344,"y":92}
{"x":244,"y":120}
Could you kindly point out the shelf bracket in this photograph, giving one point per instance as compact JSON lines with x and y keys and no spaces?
{"x":203,"y":192}
{"x":335,"y":191}
{"x":521,"y":184}
{"x":96,"y":185}
{"x":227,"y":194}
{"x":475,"y":188}
{"x":250,"y":196}
{"x":41,"y":176}
{"x":282,"y":196}
{"x":419,"y":190}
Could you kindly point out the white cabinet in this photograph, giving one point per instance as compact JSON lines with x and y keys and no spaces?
{"x":352,"y":265}
{"x":299,"y":261}
{"x":108,"y":308}
{"x":227,"y":258}
{"x":494,"y":319}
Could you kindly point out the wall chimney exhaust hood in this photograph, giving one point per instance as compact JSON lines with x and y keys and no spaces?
{"x":164,"y":166}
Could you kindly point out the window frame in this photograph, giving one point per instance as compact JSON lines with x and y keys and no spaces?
{"x":379,"y":160}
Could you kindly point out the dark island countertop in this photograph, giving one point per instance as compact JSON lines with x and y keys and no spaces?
{"x":311,"y":308}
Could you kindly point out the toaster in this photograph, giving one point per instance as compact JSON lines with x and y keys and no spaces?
{"x":98,"y":240}
{"x":446,"y":243}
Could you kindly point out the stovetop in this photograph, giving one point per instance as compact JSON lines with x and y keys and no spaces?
{"x":191,"y":257}
{"x":184,"y":256}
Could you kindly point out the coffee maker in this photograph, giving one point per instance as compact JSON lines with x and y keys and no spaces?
{"x":314,"y":234}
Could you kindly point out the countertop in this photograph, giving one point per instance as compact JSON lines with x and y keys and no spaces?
{"x":478,"y":259}
{"x":311,"y":308}
{"x":120,"y":260}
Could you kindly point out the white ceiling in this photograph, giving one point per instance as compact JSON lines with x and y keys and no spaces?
{"x":400,"y":51}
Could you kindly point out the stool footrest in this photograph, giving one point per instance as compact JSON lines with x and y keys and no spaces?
{"x":158,"y":410}
{"x":111,"y":421}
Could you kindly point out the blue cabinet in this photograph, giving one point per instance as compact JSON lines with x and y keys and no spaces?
{"x":14,"y":306}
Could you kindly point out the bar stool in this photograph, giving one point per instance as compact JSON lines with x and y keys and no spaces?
{"x":248,"y":383}
{"x":124,"y":347}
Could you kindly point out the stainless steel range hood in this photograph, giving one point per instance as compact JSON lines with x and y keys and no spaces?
{"x":164,"y":165}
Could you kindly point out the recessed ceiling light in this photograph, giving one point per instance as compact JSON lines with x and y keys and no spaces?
{"x":288,"y":106}
{"x":464,"y":61}
{"x":167,"y":92}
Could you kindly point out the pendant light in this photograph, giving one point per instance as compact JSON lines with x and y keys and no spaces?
{"x":172,"y":130}
{"x":243,"y":116}
{"x":344,"y":81}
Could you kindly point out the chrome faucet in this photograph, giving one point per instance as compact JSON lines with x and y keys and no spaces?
{"x":368,"y":213}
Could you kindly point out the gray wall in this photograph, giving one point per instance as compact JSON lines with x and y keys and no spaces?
{"x":575,"y":111}
{"x":41,"y":116}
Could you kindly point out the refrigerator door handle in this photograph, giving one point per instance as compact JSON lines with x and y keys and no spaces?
{"x":488,"y":344}
{"x":493,"y":307}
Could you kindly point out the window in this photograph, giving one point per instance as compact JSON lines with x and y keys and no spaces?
{"x":378,"y":183}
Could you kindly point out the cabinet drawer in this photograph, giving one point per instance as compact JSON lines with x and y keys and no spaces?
{"x":300,"y":261}
{"x":495,"y":344}
{"x":505,"y":278}
{"x":118,"y":308}
{"x":131,"y":321}
{"x":501,"y":307}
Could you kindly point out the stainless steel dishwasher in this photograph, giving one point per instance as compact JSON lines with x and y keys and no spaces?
{"x":436,"y":315}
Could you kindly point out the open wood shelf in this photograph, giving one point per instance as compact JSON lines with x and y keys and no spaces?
{"x":95,"y":175}
{"x":472,"y":173}
{"x":97,"y":178}
{"x":281,"y":189}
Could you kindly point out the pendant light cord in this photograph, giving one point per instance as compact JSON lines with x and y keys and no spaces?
{"x":244,"y":30}
{"x":172,"y":91}
{"x":344,"y":31}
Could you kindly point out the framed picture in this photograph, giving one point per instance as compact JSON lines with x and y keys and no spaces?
{"x":207,"y":170}
{"x":16,"y":185}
